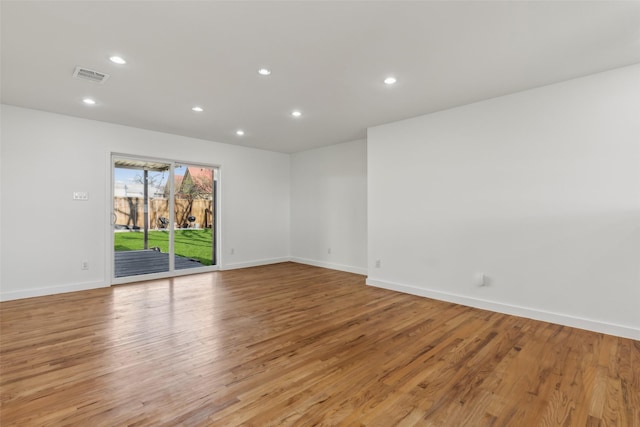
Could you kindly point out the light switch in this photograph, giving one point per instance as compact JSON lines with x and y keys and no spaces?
{"x":80,"y":195}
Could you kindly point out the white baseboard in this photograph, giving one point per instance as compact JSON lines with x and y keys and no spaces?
{"x":52,"y":290}
{"x":536,"y":314}
{"x":256,"y":263}
{"x":330,"y":265}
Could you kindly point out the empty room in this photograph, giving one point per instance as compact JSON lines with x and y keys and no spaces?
{"x":320,"y":213}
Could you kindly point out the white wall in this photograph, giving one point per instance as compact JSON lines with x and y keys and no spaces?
{"x":329,"y":207}
{"x":45,"y":234}
{"x":539,"y":190}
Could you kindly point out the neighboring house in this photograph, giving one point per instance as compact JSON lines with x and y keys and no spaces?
{"x":196,"y":183}
{"x":135,"y":189}
{"x":177,"y":183}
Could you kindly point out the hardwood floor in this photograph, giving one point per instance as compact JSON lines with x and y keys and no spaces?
{"x":290,"y":344}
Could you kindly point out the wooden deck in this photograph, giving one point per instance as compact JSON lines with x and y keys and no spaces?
{"x":135,"y":263}
{"x":295,"y":345}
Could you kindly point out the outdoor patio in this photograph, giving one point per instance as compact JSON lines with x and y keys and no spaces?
{"x":134,"y":263}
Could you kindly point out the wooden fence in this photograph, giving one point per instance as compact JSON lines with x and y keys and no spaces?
{"x":129,"y":212}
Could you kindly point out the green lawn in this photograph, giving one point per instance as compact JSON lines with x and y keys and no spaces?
{"x":189,"y":243}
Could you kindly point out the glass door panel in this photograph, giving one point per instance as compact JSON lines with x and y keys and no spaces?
{"x":195,"y":217}
{"x":141,"y":214}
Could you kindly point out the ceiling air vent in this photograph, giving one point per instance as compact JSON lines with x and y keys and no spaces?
{"x":92,"y":75}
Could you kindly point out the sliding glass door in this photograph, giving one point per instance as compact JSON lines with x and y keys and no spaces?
{"x":164,"y":218}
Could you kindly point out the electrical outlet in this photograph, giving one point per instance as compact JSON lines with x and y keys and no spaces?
{"x":84,"y":265}
{"x":378,"y":263}
{"x":329,"y":251}
{"x":482,"y":280}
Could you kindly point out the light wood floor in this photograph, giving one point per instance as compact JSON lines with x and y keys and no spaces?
{"x":296,"y":345}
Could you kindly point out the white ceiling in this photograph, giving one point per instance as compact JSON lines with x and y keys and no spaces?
{"x":328,"y":60}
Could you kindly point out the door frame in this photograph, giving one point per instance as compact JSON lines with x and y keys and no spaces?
{"x":216,"y":241}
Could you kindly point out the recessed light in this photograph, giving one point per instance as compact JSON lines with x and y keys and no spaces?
{"x":198,"y":109}
{"x":264,"y":71}
{"x":390,"y":80}
{"x":117,"y":60}
{"x":239,"y":132}
{"x":89,"y":101}
{"x":296,"y":113}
